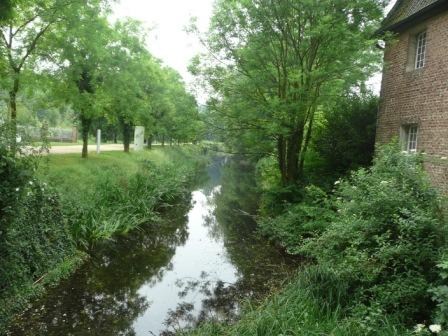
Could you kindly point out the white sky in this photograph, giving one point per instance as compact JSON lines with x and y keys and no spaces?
{"x":168,"y":39}
{"x":168,"y":19}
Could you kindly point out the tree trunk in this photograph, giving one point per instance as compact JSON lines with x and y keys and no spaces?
{"x":281,"y":158}
{"x":292,"y":157}
{"x":13,"y":111}
{"x":163,"y":141}
{"x":149,"y":144}
{"x":85,"y":128}
{"x":306,"y":142}
{"x":127,"y":132}
{"x":115,"y":137}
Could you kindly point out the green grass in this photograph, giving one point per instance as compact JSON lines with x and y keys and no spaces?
{"x":312,"y":304}
{"x":115,"y":192}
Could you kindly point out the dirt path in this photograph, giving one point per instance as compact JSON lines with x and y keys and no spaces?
{"x":78,"y":148}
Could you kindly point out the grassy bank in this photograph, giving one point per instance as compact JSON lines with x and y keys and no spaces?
{"x":70,"y":204}
{"x":310,"y":305}
{"x":376,"y":246}
{"x":116,"y":192}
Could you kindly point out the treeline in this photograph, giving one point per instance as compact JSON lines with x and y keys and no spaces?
{"x":59,"y":55}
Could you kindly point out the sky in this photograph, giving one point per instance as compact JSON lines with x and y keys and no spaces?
{"x":167,"y":20}
{"x":168,"y":39}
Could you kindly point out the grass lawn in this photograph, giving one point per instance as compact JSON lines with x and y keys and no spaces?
{"x":71,"y":169}
{"x":115,"y":192}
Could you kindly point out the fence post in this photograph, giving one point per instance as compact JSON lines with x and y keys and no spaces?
{"x":98,"y":141}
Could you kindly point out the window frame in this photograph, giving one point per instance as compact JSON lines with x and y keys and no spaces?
{"x":409,"y":137}
{"x":421,"y":42}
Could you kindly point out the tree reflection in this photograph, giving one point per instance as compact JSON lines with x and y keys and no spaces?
{"x":260,"y":265}
{"x":102,"y":297}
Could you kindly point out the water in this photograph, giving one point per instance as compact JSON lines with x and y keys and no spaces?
{"x":196,"y":265}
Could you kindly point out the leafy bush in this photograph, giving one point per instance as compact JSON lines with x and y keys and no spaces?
{"x":34,"y":238}
{"x":440,"y":292}
{"x":388,"y":236}
{"x":347,"y":139}
{"x":300,"y":221}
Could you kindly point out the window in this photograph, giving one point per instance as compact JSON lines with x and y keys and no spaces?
{"x":409,"y":137}
{"x":420,"y":50}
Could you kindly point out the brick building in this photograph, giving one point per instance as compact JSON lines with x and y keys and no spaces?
{"x":414,"y":92}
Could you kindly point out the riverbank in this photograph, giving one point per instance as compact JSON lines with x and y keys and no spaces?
{"x":376,"y":245}
{"x":189,"y":267}
{"x":96,"y":199}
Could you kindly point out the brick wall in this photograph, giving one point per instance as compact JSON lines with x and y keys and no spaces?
{"x":418,"y":96}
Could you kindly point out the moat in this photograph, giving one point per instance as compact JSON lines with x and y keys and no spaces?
{"x":198,"y":263}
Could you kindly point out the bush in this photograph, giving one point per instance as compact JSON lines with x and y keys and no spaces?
{"x":34,"y":237}
{"x":347,"y":139}
{"x":300,"y":221}
{"x":388,"y":236}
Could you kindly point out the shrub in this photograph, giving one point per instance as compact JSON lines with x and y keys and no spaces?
{"x":347,"y":139}
{"x":300,"y":221}
{"x":34,"y":237}
{"x":387,"y":237}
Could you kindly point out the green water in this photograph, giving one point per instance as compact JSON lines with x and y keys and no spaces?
{"x":198,"y":264}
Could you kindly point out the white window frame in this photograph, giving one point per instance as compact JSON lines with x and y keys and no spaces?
{"x":420,"y":50}
{"x":410,"y":137}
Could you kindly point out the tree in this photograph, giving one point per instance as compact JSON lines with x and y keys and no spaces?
{"x":280,"y":61}
{"x":21,"y":35}
{"x":128,"y":83}
{"x":5,"y":9}
{"x":83,"y":62}
{"x":347,"y":139}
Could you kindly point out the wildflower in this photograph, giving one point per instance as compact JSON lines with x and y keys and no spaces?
{"x":435,"y":328}
{"x":419,"y":328}
{"x":17,"y":189}
{"x":337,"y":182}
{"x":443,"y":158}
{"x":384,"y":182}
{"x":30,"y":182}
{"x":28,"y":193}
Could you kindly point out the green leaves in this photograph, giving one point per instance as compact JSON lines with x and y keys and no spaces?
{"x":273,"y":64}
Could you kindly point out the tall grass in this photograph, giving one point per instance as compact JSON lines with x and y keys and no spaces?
{"x":313,"y":304}
{"x":113,"y":193}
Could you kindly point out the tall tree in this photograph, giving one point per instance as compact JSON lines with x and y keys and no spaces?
{"x":83,"y":62}
{"x":21,"y":35}
{"x":129,"y":81}
{"x":279,"y":61}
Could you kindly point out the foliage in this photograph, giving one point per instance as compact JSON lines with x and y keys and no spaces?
{"x":300,"y":221}
{"x":346,"y":141}
{"x":309,"y":305}
{"x":440,"y":292}
{"x":34,"y":236}
{"x":117,"y":193}
{"x":387,"y":237}
{"x":52,"y":69}
{"x":275,"y":65}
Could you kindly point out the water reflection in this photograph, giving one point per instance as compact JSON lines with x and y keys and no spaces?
{"x":196,"y":265}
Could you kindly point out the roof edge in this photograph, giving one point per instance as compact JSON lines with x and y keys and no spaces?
{"x":423,"y":14}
